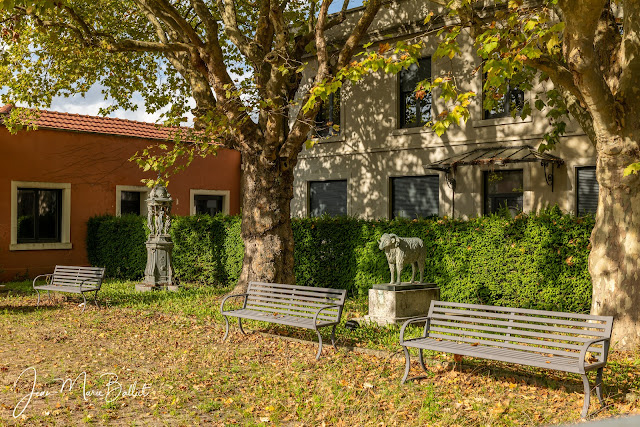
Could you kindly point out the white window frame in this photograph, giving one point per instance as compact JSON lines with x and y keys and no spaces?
{"x":65,"y":221}
{"x":199,"y":192}
{"x":137,"y":188}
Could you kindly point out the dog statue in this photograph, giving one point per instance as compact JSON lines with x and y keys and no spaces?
{"x":401,"y":251}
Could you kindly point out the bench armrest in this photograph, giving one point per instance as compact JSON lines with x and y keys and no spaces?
{"x":427,"y":320}
{"x":315,"y":317}
{"x":588,"y":344}
{"x":232,"y":296}
{"x":48,"y":276}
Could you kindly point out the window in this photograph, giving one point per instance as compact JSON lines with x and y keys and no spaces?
{"x":415,"y":196}
{"x":328,"y":118}
{"x":503,"y":189}
{"x":131,"y":199}
{"x":511,"y":101}
{"x":39,"y":215}
{"x":209,"y":202}
{"x":586,"y":190}
{"x":328,"y":197}
{"x":415,"y":109}
{"x":130,"y":202}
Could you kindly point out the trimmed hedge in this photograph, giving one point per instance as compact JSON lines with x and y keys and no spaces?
{"x":532,"y":261}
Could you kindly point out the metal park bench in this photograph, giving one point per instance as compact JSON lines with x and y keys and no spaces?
{"x":76,"y":280}
{"x":303,"y":306}
{"x":544,"y":339}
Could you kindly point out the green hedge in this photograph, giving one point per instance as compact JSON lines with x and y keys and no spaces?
{"x":532,"y":261}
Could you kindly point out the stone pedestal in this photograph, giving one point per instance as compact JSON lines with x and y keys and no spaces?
{"x":158,"y":273}
{"x":395,"y":303}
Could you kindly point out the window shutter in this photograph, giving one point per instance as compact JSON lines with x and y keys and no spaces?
{"x":328,"y":197}
{"x":415,"y":196}
{"x":587,"y":186}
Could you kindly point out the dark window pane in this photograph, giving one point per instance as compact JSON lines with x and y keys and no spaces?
{"x":415,"y":196}
{"x":503,"y":189}
{"x":39,"y":215}
{"x":328,"y":118}
{"x":415,"y":110}
{"x":130,"y":202}
{"x":328,"y":197}
{"x":511,"y":101}
{"x":26,"y":214}
{"x":587,"y":190}
{"x":207,"y":204}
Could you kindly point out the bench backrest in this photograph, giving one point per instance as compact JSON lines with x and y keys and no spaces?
{"x":65,"y":275}
{"x":539,"y":331}
{"x":294,"y":300}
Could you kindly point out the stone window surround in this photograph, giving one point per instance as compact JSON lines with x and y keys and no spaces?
{"x":199,"y":192}
{"x":138,"y":188}
{"x":65,"y":229}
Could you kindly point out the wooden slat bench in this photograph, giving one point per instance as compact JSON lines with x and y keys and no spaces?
{"x":303,"y":306}
{"x":72,"y":279}
{"x":545,"y":339}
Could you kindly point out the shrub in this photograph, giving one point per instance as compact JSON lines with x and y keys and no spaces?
{"x":531,"y":261}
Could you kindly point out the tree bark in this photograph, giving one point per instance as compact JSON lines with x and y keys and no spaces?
{"x":267,"y":187}
{"x":614,"y":261}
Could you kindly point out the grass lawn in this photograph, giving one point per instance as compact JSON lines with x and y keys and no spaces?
{"x":158,"y":358}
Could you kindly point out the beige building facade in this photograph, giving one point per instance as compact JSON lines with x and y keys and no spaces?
{"x":376,"y":164}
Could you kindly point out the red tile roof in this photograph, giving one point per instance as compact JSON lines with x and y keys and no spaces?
{"x":96,"y":124}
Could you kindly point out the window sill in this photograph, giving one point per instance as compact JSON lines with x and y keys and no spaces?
{"x":39,"y":246}
{"x":500,"y":121}
{"x":335,"y":138}
{"x":412,"y":131}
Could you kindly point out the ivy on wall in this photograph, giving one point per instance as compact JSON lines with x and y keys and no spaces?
{"x":531,"y":261}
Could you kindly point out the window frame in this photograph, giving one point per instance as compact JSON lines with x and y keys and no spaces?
{"x":310,"y":182}
{"x":144,"y":190}
{"x":485,"y":185}
{"x":401,"y":100}
{"x":577,"y":169}
{"x":65,"y":216}
{"x":392,"y":195}
{"x":202,"y":192}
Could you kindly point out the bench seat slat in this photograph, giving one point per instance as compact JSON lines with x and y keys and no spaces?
{"x":442,"y":304}
{"x":289,"y":312}
{"x":337,"y":292}
{"x":281,"y":319}
{"x":502,"y":354}
{"x":70,"y":289}
{"x":310,"y":311}
{"x":528,"y":320}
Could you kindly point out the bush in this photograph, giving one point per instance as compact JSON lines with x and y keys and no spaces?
{"x":531,"y":261}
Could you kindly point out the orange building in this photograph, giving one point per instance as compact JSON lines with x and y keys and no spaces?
{"x":53,"y":179}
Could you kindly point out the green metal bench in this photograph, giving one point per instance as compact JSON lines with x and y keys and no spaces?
{"x":545,"y":339}
{"x":72,"y":279}
{"x":302,"y":306}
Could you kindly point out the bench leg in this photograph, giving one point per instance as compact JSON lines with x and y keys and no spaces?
{"x":319,"y":344}
{"x":84,"y":305}
{"x":226,"y":331}
{"x":95,"y":298}
{"x":422,"y":360}
{"x":599,"y":385}
{"x":407,"y":357}
{"x":333,"y":336}
{"x":240,"y":324}
{"x":38,"y":304}
{"x":49,"y":296}
{"x":587,"y":396}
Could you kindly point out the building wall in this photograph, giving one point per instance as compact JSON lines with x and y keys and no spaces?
{"x":93,"y":165}
{"x":372,"y":147}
